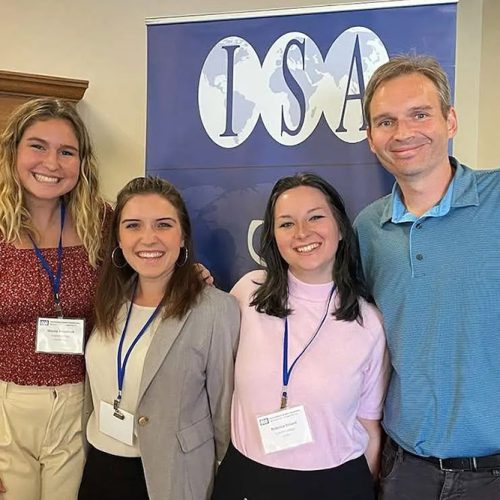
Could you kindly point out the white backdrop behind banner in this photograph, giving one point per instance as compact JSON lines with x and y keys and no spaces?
{"x":237,"y":101}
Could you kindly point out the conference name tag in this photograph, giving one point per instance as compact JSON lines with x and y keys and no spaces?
{"x":284,"y":429}
{"x":119,"y":427}
{"x":60,"y":335}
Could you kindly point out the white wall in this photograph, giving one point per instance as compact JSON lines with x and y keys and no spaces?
{"x":104,"y":41}
{"x":467,"y":83}
{"x":489,"y":101}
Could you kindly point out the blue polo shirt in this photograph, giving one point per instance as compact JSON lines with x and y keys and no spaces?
{"x":436,"y":279}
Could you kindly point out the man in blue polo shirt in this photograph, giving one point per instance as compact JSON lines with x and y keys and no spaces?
{"x":431,"y":256}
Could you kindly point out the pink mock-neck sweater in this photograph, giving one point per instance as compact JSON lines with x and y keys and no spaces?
{"x":341,"y":377}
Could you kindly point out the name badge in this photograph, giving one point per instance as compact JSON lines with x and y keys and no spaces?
{"x":60,"y":335}
{"x":118,"y":424}
{"x":284,"y":429}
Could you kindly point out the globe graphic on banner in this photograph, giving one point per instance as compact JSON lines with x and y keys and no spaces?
{"x":291,"y":90}
{"x":296,"y":58}
{"x":348,"y":124}
{"x":236,"y":55}
{"x":216,"y":226}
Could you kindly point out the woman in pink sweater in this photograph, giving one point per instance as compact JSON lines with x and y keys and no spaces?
{"x":312,"y":366}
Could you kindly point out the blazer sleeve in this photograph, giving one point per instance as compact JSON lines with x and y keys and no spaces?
{"x":220,"y":369}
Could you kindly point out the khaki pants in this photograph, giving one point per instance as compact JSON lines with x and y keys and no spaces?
{"x":41,"y":442}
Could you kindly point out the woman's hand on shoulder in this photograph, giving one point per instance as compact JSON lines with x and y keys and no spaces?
{"x":204,"y":274}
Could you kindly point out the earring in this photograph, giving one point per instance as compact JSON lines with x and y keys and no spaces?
{"x":113,"y":259}
{"x":186,"y":255}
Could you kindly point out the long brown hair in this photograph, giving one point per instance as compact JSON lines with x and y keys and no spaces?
{"x":115,"y":283}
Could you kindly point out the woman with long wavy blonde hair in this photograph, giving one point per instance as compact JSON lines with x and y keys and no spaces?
{"x":52,"y":222}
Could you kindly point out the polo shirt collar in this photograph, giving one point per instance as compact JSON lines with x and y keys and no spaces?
{"x":461,"y":192}
{"x":465,"y":193}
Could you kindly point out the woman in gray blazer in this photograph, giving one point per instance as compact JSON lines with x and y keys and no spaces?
{"x":160,"y":360}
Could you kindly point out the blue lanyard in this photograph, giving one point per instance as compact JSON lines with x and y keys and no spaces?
{"x":287,"y":372}
{"x":55,"y":279}
{"x":121,"y":366}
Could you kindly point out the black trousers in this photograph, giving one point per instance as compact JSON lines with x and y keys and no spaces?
{"x":238,"y":478}
{"x":108,"y":477}
{"x":405,"y":477}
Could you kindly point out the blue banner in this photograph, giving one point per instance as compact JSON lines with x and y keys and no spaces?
{"x":236,"y":103}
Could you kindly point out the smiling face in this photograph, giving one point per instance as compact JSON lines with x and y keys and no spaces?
{"x":150,"y":237}
{"x":48,"y":161}
{"x":408,"y":131}
{"x":306,"y":233}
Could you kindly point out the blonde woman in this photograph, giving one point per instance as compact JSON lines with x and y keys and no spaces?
{"x":52,"y":219}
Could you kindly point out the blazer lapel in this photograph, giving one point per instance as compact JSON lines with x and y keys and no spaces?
{"x":166,"y":333}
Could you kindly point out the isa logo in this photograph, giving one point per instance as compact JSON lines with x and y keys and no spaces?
{"x":290,"y":90}
{"x":44,"y":322}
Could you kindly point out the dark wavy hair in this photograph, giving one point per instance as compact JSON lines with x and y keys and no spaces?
{"x":272,"y":295}
{"x":115,"y":283}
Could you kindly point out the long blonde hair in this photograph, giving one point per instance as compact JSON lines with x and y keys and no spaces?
{"x":84,"y":202}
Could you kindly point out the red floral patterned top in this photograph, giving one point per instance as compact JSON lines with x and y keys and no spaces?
{"x":25,"y":295}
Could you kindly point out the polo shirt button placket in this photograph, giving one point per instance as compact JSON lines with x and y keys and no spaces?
{"x":416,"y":257}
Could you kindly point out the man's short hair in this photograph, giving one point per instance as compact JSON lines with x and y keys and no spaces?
{"x":407,"y":65}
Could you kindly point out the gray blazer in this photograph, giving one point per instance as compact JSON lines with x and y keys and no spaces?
{"x":184,"y":405}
